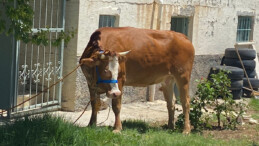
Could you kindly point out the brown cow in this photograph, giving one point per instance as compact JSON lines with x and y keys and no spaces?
{"x":152,"y":57}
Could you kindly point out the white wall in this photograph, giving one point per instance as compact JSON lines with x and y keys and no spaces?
{"x":213,"y":28}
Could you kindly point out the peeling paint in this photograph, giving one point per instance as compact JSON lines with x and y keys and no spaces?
{"x":214,"y":21}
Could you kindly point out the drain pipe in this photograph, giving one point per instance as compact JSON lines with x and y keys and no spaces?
{"x":152,"y":88}
{"x":159,"y":17}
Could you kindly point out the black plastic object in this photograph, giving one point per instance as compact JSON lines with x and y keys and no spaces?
{"x":244,"y":53}
{"x":248,"y":64}
{"x":237,"y":94}
{"x":235,"y":72}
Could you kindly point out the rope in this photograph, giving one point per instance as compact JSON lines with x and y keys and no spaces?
{"x":250,"y":85}
{"x":82,"y":112}
{"x":85,"y":110}
{"x":106,"y":117}
{"x":46,"y":89}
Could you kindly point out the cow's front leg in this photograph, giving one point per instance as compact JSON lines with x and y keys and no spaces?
{"x":116,"y":107}
{"x":96,"y":104}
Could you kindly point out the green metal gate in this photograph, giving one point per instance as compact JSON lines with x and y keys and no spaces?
{"x":38,"y":67}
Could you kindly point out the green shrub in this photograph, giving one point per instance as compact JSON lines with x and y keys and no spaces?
{"x":207,"y":95}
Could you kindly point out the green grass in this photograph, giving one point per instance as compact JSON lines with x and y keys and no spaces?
{"x":254,"y":104}
{"x":48,"y":130}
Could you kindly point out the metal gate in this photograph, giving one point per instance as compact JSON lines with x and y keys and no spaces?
{"x":41,"y":66}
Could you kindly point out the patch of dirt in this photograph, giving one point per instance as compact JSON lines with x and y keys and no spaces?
{"x":146,"y":111}
{"x":245,"y":132}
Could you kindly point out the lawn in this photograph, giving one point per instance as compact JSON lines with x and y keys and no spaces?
{"x":254,"y":105}
{"x":49,"y":130}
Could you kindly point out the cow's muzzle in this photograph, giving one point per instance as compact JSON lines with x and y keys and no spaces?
{"x":113,"y":93}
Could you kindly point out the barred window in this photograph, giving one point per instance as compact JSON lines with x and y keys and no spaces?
{"x":244,"y":29}
{"x":180,"y":24}
{"x":107,"y":21}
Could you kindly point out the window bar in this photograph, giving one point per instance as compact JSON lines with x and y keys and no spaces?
{"x":51,"y":14}
{"x":55,"y":60}
{"x":62,"y":51}
{"x":48,"y":70}
{"x":58,"y":15}
{"x":37,"y":75}
{"x":40,"y":15}
{"x":51,"y":17}
{"x":107,"y":21}
{"x":250,"y":28}
{"x":43,"y":74}
{"x":103,"y":20}
{"x":245,"y":28}
{"x":184,"y":26}
{"x":113,"y":21}
{"x":30,"y":73}
{"x":50,"y":63}
{"x":46,"y":13}
{"x":240,"y":29}
{"x":15,"y":102}
{"x":100,"y":21}
{"x":56,"y":50}
{"x":33,"y":14}
{"x":25,"y":75}
{"x":246,"y":35}
{"x":244,"y":31}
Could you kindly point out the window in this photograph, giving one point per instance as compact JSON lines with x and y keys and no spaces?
{"x":244,"y":29}
{"x":107,"y":21}
{"x":180,"y":25}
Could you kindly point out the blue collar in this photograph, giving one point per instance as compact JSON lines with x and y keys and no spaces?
{"x":99,"y":80}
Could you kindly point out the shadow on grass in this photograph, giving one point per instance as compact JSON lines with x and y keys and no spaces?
{"x":140,"y":126}
{"x":143,"y":127}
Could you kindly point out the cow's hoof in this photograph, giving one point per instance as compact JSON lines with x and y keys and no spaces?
{"x":186,"y":132}
{"x":117,"y":131}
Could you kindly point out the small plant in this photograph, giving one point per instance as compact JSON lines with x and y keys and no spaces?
{"x":214,"y":93}
{"x":221,"y":84}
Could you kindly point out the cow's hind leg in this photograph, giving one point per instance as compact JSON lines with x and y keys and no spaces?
{"x":168,"y":90}
{"x":96,"y":104}
{"x":116,"y":107}
{"x":183,"y":86}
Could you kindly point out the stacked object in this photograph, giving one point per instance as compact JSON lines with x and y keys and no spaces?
{"x":247,"y":56}
{"x":236,"y":76}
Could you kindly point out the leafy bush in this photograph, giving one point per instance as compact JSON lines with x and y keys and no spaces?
{"x":208,"y":94}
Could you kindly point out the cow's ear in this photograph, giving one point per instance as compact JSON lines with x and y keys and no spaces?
{"x":89,"y":62}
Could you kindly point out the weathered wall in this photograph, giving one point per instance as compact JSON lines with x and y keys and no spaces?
{"x":214,"y":22}
{"x":212,"y":28}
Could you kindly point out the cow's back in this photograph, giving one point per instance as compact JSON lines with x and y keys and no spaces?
{"x":154,"y":54}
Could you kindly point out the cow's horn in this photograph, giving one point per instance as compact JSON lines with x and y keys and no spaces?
{"x":124,"y":53}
